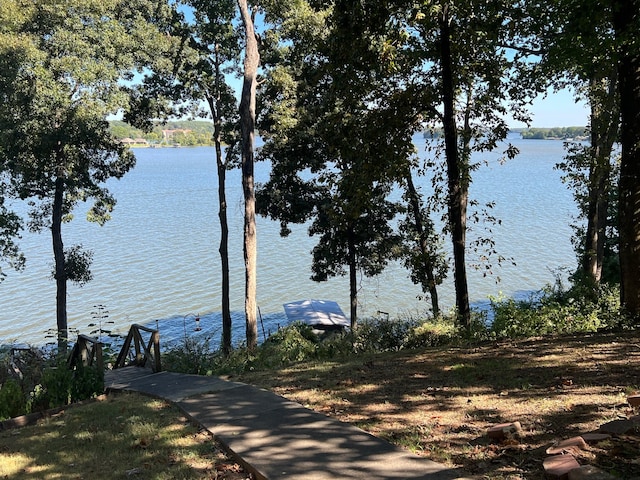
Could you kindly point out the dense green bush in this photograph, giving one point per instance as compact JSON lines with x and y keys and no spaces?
{"x":56,"y":386}
{"x":294,"y":343}
{"x":87,"y":382}
{"x":558,"y":312}
{"x":433,"y":333}
{"x":298,"y":342}
{"x":63,"y":386}
{"x":190,"y":356}
{"x":383,"y":334}
{"x":291,"y":344}
{"x":12,"y":400}
{"x":32,"y":381}
{"x":553,"y":311}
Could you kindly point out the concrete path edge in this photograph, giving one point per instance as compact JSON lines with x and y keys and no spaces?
{"x":275,"y":438}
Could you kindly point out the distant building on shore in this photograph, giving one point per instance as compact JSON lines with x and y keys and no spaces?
{"x":168,"y":135}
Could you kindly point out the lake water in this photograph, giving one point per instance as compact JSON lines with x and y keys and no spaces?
{"x":156,"y":262}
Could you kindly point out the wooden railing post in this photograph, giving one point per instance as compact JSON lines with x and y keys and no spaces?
{"x":155,"y":337}
{"x":82,"y":350}
{"x":97,"y":353}
{"x":143,"y":351}
{"x":86,"y":350}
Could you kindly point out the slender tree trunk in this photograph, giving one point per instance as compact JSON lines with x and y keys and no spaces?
{"x":605,"y":117}
{"x":626,"y":18}
{"x":426,"y":273}
{"x":59,"y":275}
{"x":216,"y":109}
{"x":224,"y":226}
{"x":224,"y":256}
{"x":353,"y":279}
{"x":248,"y":123}
{"x":457,"y":197}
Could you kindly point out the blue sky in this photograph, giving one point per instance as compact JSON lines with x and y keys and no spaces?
{"x":558,"y":110}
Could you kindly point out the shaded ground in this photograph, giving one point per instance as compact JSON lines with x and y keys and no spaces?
{"x":124,"y":436}
{"x":440,"y":402}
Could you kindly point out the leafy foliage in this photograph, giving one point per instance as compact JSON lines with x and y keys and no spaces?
{"x":288,"y":345}
{"x":61,"y":386}
{"x":334,"y":137}
{"x":12,"y":401}
{"x":32,"y":380}
{"x":558,"y":312}
{"x":10,"y":227}
{"x":576,"y":168}
{"x":384,"y":335}
{"x":61,"y":75}
{"x":77,"y":265}
{"x":56,"y":387}
{"x":553,"y":312}
{"x":190,"y":356}
{"x":298,"y":343}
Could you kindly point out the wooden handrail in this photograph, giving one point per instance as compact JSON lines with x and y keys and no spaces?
{"x":87,"y":350}
{"x":143,"y":328}
{"x":145,"y":352}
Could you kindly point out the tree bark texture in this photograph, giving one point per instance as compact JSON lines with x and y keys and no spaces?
{"x":626,"y":18}
{"x":353,"y":279}
{"x":226,"y":342}
{"x":59,"y":261}
{"x":605,"y":117}
{"x":248,"y":122}
{"x":457,"y":198}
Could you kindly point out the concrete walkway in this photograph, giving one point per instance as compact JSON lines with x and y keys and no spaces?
{"x":276,"y":438}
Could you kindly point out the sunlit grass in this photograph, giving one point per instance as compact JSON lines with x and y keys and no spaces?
{"x":126,"y":435}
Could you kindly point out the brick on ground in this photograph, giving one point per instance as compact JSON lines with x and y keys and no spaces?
{"x":557,"y":467}
{"x":504,"y":430}
{"x":569,"y":445}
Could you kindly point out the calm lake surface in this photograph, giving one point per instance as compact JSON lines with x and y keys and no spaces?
{"x":156,"y":262}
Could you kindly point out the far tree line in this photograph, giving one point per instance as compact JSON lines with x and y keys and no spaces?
{"x":555,"y":133}
{"x":200,"y":132}
{"x":183,"y":132}
{"x":336,"y":90}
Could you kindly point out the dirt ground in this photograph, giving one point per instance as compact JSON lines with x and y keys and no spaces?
{"x":440,"y":403}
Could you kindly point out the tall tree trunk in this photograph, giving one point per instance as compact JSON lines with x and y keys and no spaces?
{"x":216,"y":109}
{"x":457,"y":197}
{"x":224,"y":255}
{"x":224,"y":226}
{"x":248,"y":123}
{"x":426,"y":273}
{"x":605,"y":118}
{"x":59,"y":273}
{"x":353,"y":279}
{"x":626,"y":16}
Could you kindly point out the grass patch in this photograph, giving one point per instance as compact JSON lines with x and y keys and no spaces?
{"x":124,"y":436}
